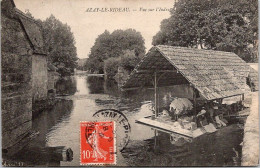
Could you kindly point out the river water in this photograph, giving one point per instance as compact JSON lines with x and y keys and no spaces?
{"x":81,"y":96}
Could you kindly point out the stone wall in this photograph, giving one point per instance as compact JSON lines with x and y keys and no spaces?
{"x":16,"y":79}
{"x":250,"y":150}
{"x":39,"y":77}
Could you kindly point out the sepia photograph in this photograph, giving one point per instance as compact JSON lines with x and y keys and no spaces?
{"x":129,"y":83}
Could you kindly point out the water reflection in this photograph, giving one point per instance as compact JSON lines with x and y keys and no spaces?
{"x":215,"y":149}
{"x":49,"y":119}
{"x":66,"y":86}
{"x":111,"y":88}
{"x":95,"y":84}
{"x":38,"y":152}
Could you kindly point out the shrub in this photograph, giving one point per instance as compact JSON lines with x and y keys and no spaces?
{"x":111,"y":65}
{"x":129,"y":60}
{"x":93,"y":65}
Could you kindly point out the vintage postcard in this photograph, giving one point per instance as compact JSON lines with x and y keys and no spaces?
{"x":129,"y":83}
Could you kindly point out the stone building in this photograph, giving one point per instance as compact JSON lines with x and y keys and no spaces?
{"x":39,"y":77}
{"x":23,"y":72}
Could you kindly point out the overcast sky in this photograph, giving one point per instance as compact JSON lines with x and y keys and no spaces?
{"x":86,"y":26}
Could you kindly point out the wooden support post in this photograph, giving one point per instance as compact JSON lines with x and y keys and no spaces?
{"x":220,"y":103}
{"x":158,"y":98}
{"x":155,"y":138}
{"x":243,"y":101}
{"x":195,"y":101}
{"x":155,"y":94}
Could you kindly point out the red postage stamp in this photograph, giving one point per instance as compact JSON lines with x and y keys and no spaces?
{"x":97,"y":143}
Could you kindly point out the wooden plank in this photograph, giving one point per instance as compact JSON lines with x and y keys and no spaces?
{"x":165,"y":126}
{"x":155,"y":95}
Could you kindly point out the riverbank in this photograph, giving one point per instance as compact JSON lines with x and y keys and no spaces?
{"x":79,"y":72}
{"x":250,"y":150}
{"x":215,"y":149}
{"x":41,"y":105}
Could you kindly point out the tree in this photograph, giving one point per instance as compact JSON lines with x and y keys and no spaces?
{"x":111,"y":66}
{"x":113,"y":45}
{"x":226,"y":25}
{"x":59,"y":43}
{"x":128,"y":60}
{"x":94,"y":65}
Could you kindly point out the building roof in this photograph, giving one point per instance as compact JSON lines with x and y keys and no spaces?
{"x":31,"y":27}
{"x":33,"y":31}
{"x":215,"y":74}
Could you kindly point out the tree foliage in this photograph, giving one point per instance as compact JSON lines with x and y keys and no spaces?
{"x":111,"y":66}
{"x":227,"y":25}
{"x":94,"y":65}
{"x":59,"y":44}
{"x":128,"y":60}
{"x":109,"y":45}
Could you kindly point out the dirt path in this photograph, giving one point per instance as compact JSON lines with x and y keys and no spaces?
{"x":250,"y":151}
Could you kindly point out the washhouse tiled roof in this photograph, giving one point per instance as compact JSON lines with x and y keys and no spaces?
{"x":215,"y":74}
